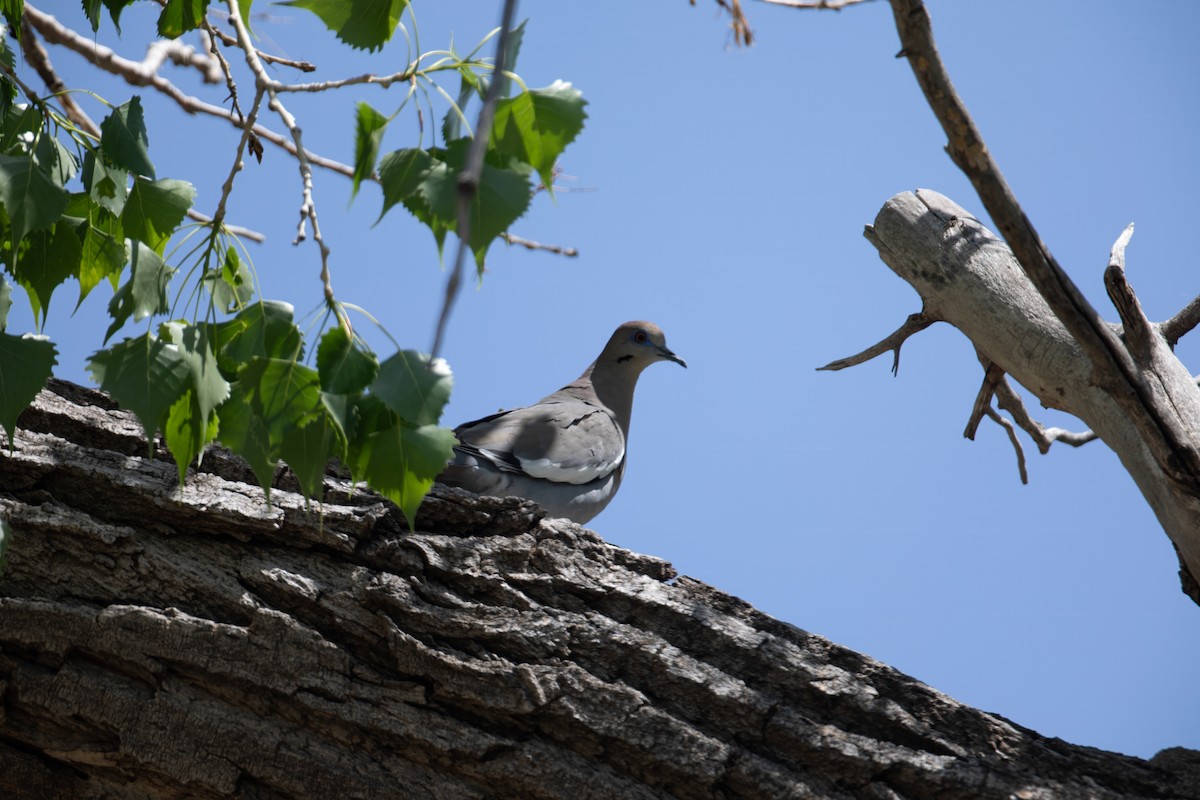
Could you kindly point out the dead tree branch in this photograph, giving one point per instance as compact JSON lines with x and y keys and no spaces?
{"x":914,"y":324}
{"x":1182,"y":323}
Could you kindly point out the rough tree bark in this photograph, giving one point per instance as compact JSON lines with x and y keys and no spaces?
{"x":158,"y":642}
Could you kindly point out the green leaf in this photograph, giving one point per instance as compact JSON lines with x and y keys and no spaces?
{"x":398,"y":460}
{"x":25,"y":364}
{"x":452,"y":123}
{"x":362,"y":24}
{"x":107,"y":186}
{"x":145,"y":375}
{"x":181,"y":16}
{"x":232,"y":286}
{"x":5,"y":302}
{"x":502,"y":197}
{"x":12,"y":13}
{"x":343,"y":366}
{"x":261,"y":330}
{"x":209,"y":389}
{"x":243,"y":432}
{"x":103,"y":253}
{"x":286,"y":395}
{"x":413,"y":387}
{"x":145,"y":293}
{"x":186,"y":432}
{"x":537,"y":125}
{"x":401,"y":173}
{"x":369,"y":126}
{"x":52,"y":257}
{"x":308,"y":450}
{"x":124,"y":140}
{"x":55,"y":159}
{"x":33,"y":201}
{"x":20,"y":126}
{"x":154,"y":210}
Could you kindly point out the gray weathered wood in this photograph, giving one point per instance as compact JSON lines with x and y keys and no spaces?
{"x":968,"y":277}
{"x":167,"y":643}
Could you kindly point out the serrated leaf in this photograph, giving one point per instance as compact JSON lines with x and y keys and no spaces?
{"x":363,"y":24}
{"x":501,"y":198}
{"x":32,"y":200}
{"x":154,"y":210}
{"x":187,"y":432}
{"x":398,"y":460}
{"x":145,"y":292}
{"x":55,"y":159}
{"x":413,"y":387}
{"x":145,"y":375}
{"x":107,"y":186}
{"x":12,"y":13}
{"x":103,"y":253}
{"x":124,"y":140}
{"x":25,"y":364}
{"x":285,"y":394}
{"x":261,"y":330}
{"x":181,"y":16}
{"x":52,"y":256}
{"x":308,"y":450}
{"x":400,"y":174}
{"x":452,"y":123}
{"x":537,"y":125}
{"x":209,"y":389}
{"x":369,"y":126}
{"x":21,"y":125}
{"x":343,"y":366}
{"x":243,"y":432}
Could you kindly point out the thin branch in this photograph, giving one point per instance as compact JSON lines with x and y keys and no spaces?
{"x":308,"y":206}
{"x":1008,"y":400}
{"x":737,"y":21}
{"x":468,"y":179}
{"x":236,"y":230}
{"x":1182,"y":323}
{"x":992,"y":376}
{"x":826,"y":5}
{"x":367,"y":78}
{"x":529,"y":244}
{"x":1012,"y":437}
{"x":1111,"y":362}
{"x":231,"y":41}
{"x":133,"y":73}
{"x":1139,"y":333}
{"x":915,"y":323}
{"x":37,"y":57}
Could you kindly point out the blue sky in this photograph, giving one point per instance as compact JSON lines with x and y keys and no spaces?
{"x":723,"y":194}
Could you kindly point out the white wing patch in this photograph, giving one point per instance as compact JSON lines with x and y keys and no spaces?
{"x":549,"y":470}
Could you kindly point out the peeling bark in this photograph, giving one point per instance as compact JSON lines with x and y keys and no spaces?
{"x":158,"y":642}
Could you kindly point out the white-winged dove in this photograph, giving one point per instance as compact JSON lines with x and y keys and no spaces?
{"x":567,"y":451}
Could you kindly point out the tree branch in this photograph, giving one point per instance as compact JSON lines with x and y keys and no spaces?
{"x":1012,"y":437}
{"x":992,"y":376}
{"x":468,"y":179}
{"x":915,"y":323}
{"x":1182,"y":323}
{"x":529,"y":244}
{"x":1113,"y":368}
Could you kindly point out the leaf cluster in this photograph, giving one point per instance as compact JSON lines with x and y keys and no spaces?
{"x":212,"y":361}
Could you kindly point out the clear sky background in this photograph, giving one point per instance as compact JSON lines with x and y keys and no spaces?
{"x":726,"y":194}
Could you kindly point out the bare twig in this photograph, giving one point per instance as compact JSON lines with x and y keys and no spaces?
{"x":37,"y":57}
{"x":468,"y":179}
{"x":1008,"y":400}
{"x":308,"y":206}
{"x":529,"y":244}
{"x":915,"y":323}
{"x":1012,"y":437}
{"x":133,"y":73}
{"x":367,"y":78}
{"x":737,"y":21}
{"x":236,"y":230}
{"x":1139,"y":333}
{"x":1112,"y":366}
{"x":303,"y":66}
{"x":1182,"y":323}
{"x":992,"y":376}
{"x":828,"y":5}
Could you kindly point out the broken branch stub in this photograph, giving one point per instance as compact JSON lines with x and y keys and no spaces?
{"x":968,"y":277}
